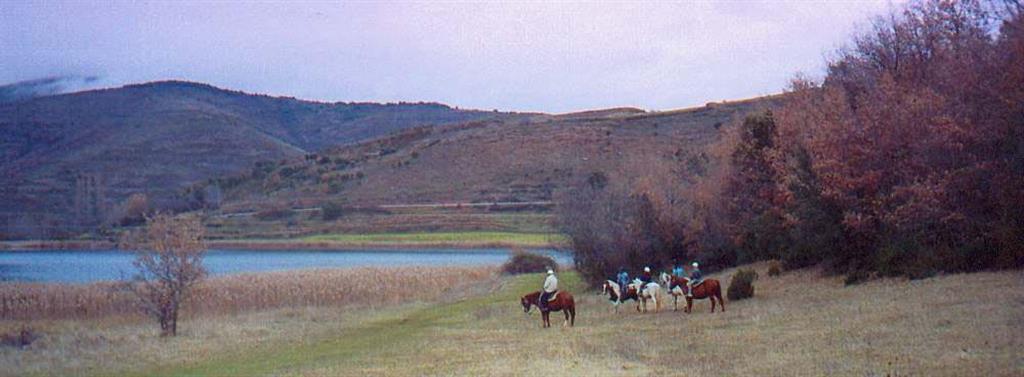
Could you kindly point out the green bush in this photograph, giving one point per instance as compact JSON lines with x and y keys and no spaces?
{"x":774,"y":268}
{"x":524,"y":262}
{"x":742,"y":284}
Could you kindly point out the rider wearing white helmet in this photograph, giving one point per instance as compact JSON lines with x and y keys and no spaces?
{"x":645,"y":279}
{"x":550,"y":287}
{"x":695,"y":278}
{"x":646,"y":276}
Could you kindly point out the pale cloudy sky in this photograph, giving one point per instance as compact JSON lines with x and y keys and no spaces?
{"x":531,"y":56}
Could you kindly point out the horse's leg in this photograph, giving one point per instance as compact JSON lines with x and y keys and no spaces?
{"x":545,"y":316}
{"x":572,"y":315}
{"x":566,"y":311}
{"x":675,"y":303}
{"x":712,"y":298}
{"x":718,"y":293}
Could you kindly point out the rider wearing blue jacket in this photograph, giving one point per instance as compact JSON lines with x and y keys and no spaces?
{"x":677,"y":272}
{"x":695,"y":278}
{"x":623,"y":279}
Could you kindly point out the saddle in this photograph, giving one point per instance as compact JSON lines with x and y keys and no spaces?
{"x":554,"y":295}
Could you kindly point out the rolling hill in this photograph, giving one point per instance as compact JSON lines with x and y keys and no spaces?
{"x":486,"y":161}
{"x":67,"y":161}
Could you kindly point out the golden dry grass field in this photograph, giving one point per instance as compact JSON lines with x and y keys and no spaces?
{"x":799,"y":323}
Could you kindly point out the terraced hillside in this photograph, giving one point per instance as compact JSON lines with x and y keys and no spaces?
{"x":68,"y":161}
{"x":493,"y":161}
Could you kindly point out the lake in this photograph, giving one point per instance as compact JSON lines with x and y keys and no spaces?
{"x":83,"y":266}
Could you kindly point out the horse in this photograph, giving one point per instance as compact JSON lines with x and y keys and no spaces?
{"x":647,"y":292}
{"x":672,"y":285}
{"x":706,"y":289}
{"x":616,"y":296}
{"x":562,"y":301}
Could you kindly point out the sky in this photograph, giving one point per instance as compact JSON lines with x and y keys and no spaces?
{"x":516,"y":56}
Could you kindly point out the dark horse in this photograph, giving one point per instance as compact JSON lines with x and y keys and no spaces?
{"x":709,"y":288}
{"x":563,"y":302}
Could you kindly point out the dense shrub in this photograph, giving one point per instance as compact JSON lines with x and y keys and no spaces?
{"x":331,"y":211}
{"x":742,"y":284}
{"x":524,"y":262}
{"x":613,"y":224}
{"x":133,"y":211}
{"x":774,"y":268}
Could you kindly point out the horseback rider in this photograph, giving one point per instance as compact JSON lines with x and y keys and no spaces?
{"x":623,"y":279}
{"x":645,"y":279}
{"x":695,"y":278}
{"x":550,"y":287}
{"x":677,"y":272}
{"x":646,"y":276}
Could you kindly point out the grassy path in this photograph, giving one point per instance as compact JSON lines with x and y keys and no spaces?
{"x":799,"y":324}
{"x":355,"y":347}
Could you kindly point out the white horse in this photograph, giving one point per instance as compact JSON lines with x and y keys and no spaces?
{"x":675,"y":292}
{"x":651,"y":291}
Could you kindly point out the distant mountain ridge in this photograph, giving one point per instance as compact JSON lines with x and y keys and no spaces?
{"x":72,"y":158}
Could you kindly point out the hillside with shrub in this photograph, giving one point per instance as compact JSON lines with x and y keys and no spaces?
{"x":486,"y":161}
{"x":69,"y":162}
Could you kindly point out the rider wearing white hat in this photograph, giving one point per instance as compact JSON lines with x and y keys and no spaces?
{"x":645,"y":278}
{"x":550,"y":287}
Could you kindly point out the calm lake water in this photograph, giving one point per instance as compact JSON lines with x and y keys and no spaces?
{"x":82,"y":266}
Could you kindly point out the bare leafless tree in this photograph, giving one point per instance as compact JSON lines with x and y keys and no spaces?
{"x":169,"y":262}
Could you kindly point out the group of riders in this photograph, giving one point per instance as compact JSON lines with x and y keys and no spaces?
{"x":645,"y":278}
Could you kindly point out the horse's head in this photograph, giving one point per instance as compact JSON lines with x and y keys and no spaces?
{"x":526,"y":304}
{"x":665,"y":278}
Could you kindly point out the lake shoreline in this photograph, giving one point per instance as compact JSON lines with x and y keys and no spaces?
{"x":260,"y":245}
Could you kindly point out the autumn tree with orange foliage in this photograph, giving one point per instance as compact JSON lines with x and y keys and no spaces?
{"x":907,"y":159}
{"x":915,"y":134}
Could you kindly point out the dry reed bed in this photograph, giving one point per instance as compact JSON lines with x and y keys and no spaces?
{"x":365,"y":286}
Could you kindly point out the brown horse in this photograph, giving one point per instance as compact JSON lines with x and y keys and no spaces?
{"x":563,"y":301}
{"x":708,"y":289}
